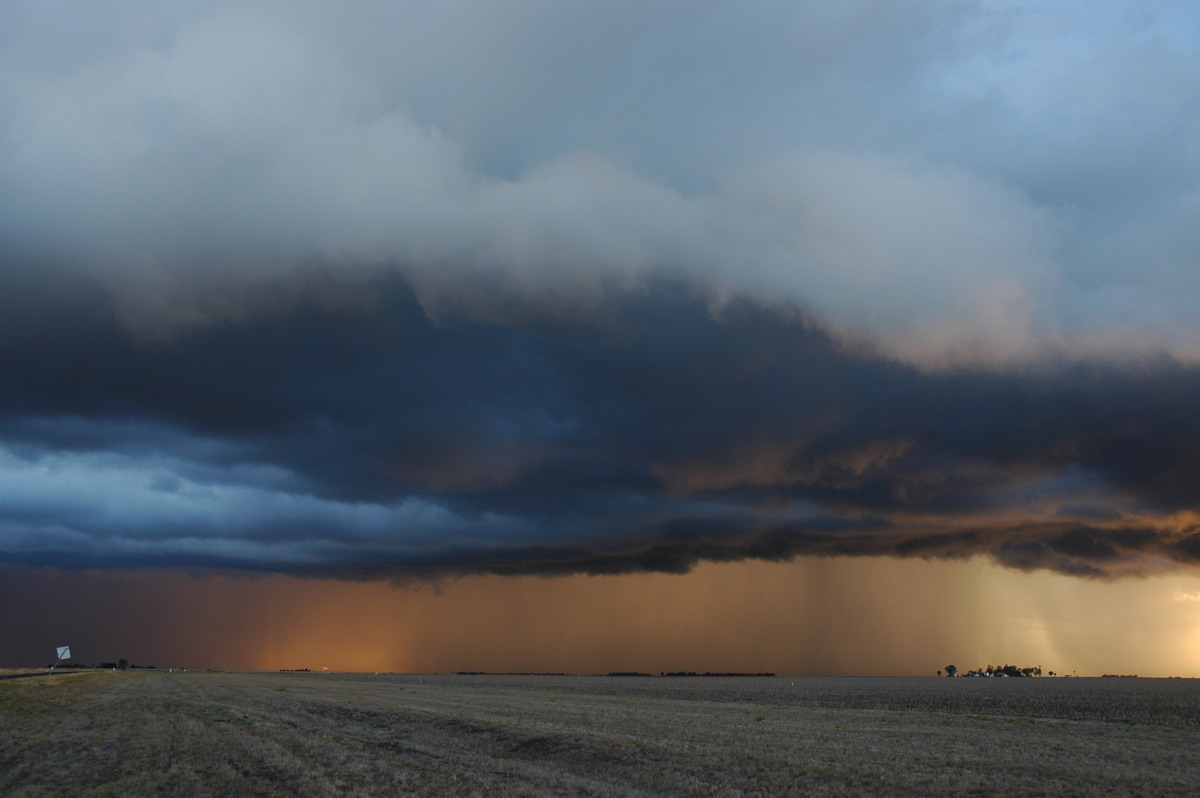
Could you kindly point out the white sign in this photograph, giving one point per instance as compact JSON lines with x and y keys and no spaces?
{"x":64,"y":652}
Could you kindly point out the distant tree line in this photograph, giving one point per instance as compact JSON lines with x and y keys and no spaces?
{"x":105,"y":666}
{"x":1002,"y":671}
{"x":510,"y":673}
{"x":710,"y":673}
{"x":119,"y":665}
{"x":689,"y":673}
{"x":125,"y":665}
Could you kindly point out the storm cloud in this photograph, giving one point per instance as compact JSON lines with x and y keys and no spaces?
{"x":506,"y":287}
{"x":344,"y":431}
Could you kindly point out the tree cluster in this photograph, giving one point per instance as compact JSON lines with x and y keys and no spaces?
{"x":993,"y":671}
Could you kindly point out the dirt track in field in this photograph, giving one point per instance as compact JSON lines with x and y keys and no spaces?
{"x":234,"y":734}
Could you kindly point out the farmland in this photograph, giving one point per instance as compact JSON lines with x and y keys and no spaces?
{"x":201,"y":733}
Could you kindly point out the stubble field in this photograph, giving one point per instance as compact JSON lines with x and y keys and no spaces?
{"x":230,"y":734}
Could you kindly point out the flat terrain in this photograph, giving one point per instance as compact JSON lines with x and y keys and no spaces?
{"x":231,"y":734}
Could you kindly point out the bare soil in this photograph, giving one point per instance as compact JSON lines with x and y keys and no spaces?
{"x":232,"y":734}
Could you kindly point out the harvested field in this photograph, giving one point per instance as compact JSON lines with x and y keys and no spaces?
{"x":197,"y":733}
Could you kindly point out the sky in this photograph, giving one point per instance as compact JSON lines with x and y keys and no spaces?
{"x":521,"y":335}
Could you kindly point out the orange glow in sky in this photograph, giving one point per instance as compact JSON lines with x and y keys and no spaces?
{"x":866,"y":616}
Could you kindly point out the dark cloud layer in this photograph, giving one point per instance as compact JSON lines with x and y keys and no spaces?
{"x":330,"y":426}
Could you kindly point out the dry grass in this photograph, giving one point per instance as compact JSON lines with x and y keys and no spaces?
{"x":307,"y":734}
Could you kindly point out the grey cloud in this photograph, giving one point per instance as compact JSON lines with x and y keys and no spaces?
{"x":943,"y":179}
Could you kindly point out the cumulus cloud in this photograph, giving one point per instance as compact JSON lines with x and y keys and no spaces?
{"x":519,"y":287}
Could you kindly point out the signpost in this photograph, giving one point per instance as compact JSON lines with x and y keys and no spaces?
{"x":64,"y":652}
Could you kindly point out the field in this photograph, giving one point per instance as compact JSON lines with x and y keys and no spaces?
{"x":231,"y":734}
